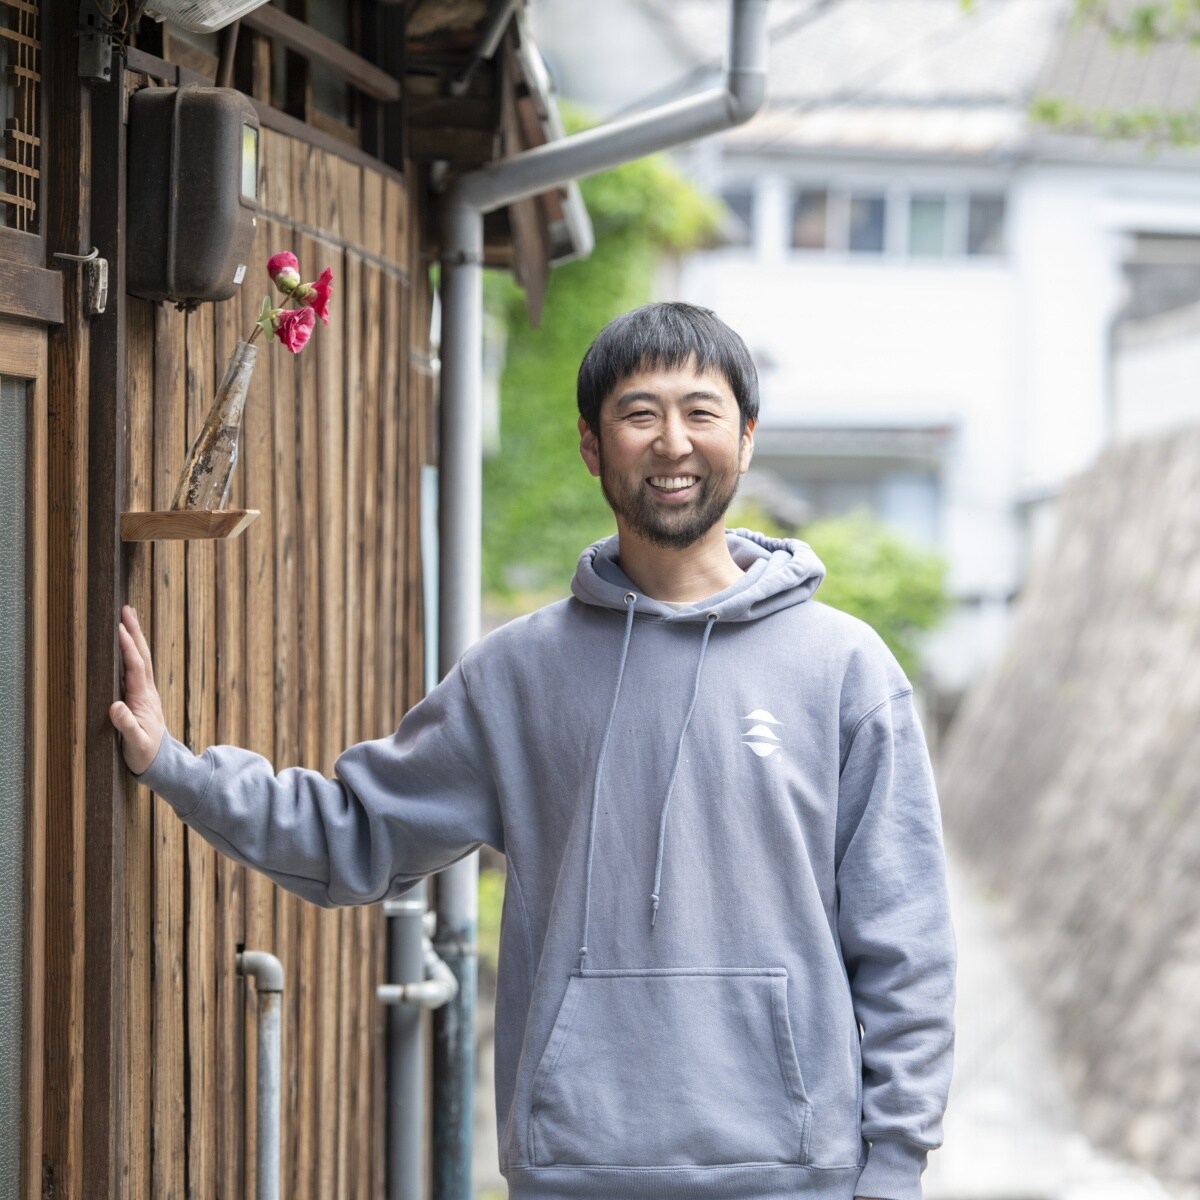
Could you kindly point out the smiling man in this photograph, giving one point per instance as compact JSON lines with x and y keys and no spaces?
{"x":727,"y":966}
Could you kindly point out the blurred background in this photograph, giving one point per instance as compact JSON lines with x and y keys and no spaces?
{"x":962,"y":241}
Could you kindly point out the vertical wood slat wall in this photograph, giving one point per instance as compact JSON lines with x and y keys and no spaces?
{"x":296,"y":639}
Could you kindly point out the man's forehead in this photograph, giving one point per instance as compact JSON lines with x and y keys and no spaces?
{"x":672,"y":382}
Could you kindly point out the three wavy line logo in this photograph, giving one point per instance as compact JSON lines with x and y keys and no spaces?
{"x":760,"y":737}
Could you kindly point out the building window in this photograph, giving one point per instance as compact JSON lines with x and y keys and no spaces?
{"x":919,"y":224}
{"x":927,"y":225}
{"x":20,"y":77}
{"x":985,"y":224}
{"x":810,"y":220}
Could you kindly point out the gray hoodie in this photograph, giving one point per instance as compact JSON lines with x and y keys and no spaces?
{"x":726,"y":960}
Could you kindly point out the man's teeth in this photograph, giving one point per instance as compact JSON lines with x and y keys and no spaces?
{"x":672,"y":483}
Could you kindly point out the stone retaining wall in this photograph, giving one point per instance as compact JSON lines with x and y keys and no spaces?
{"x":1071,"y":782}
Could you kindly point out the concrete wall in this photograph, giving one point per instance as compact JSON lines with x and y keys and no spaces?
{"x":1155,"y":372}
{"x":1071,"y":781}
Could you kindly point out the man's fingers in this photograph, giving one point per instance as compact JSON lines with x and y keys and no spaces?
{"x":135,"y":668}
{"x":138,"y":746}
{"x":130,"y":618}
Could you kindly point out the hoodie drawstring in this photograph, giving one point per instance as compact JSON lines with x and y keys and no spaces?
{"x":662,"y":821}
{"x":630,"y":601}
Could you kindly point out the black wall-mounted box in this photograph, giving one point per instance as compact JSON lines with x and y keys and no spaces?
{"x":191,"y":188}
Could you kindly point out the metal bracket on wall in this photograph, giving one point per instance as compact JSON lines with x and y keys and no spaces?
{"x":95,"y":279}
{"x":95,"y":42}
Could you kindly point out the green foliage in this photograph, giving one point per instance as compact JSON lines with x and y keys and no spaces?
{"x":1152,"y":126}
{"x":874,"y":573}
{"x":541,"y":507}
{"x":897,"y":587}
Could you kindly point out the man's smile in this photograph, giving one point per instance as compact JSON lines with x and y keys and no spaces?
{"x":674,"y":485}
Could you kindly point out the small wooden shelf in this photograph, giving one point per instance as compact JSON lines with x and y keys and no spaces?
{"x":185,"y":525}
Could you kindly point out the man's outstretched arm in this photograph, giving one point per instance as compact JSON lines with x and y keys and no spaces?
{"x":396,"y":809}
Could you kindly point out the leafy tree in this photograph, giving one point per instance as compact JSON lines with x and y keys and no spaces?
{"x":541,"y":507}
{"x":874,"y":573}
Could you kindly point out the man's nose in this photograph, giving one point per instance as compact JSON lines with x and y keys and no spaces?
{"x":673,"y":439}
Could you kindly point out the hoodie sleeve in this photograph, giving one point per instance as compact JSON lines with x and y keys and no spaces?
{"x":395,"y":810}
{"x":897,"y":943}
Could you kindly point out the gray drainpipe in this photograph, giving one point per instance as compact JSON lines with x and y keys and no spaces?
{"x":461,"y":482}
{"x":267,"y":973}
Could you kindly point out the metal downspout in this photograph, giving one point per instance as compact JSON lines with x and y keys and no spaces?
{"x":460,"y":485}
{"x":267,"y":972}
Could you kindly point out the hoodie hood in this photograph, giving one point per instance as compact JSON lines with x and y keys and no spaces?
{"x":779,"y":572}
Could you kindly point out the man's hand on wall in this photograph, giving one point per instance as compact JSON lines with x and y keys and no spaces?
{"x":139,"y":718}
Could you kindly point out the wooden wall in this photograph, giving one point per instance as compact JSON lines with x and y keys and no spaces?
{"x":296,"y":639}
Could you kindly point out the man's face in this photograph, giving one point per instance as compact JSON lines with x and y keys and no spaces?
{"x":669,"y":453}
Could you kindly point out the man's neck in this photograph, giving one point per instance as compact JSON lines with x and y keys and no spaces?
{"x":679,"y":576}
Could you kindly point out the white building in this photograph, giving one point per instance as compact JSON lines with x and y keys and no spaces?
{"x":930,"y":281}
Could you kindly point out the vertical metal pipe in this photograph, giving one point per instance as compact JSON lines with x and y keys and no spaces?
{"x":268,"y":978}
{"x":406,"y":1049}
{"x":460,"y":523}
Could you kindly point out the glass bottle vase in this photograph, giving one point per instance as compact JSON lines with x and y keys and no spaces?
{"x":204,"y":481}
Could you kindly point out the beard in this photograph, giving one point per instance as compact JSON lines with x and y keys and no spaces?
{"x":670,"y":528}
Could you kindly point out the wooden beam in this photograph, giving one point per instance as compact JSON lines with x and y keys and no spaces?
{"x":303,"y":39}
{"x":104,"y":857}
{"x":185,"y":525}
{"x":31,"y":293}
{"x":68,"y":193}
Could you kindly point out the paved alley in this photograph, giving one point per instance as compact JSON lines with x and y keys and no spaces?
{"x":1010,"y":1134}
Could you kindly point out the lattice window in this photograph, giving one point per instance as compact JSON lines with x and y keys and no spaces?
{"x":20,"y":76}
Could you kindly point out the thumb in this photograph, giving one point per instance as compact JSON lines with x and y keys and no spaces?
{"x":127,"y":725}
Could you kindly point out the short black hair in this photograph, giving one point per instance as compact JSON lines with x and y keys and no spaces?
{"x":664,"y":336}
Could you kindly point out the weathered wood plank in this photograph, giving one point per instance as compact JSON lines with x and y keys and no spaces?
{"x":259,"y":654}
{"x":167,"y":647}
{"x":274,"y":179}
{"x":372,"y":213}
{"x":369,"y":529}
{"x":139,"y":811}
{"x":286,"y":675}
{"x":231,"y":728}
{"x":395,"y":222}
{"x":389,"y":526}
{"x":311,"y":682}
{"x":349,"y":183}
{"x":104,"y":1078}
{"x":351,"y":299}
{"x":201,"y":858}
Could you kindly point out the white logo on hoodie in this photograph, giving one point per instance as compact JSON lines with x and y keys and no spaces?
{"x":760,"y":737}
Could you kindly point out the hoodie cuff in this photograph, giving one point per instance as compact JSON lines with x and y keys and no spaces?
{"x":178,"y":776}
{"x":893,"y":1172}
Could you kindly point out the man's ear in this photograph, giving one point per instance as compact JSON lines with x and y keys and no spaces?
{"x":589,"y":447}
{"x":747,"y":447}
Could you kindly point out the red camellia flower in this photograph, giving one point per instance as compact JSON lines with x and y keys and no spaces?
{"x":316,"y":295}
{"x":294,"y":326}
{"x":284,"y":270}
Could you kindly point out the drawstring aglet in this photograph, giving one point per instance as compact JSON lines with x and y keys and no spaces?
{"x":653,"y":910}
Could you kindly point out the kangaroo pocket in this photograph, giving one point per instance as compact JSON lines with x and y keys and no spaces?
{"x":674,"y":1067}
